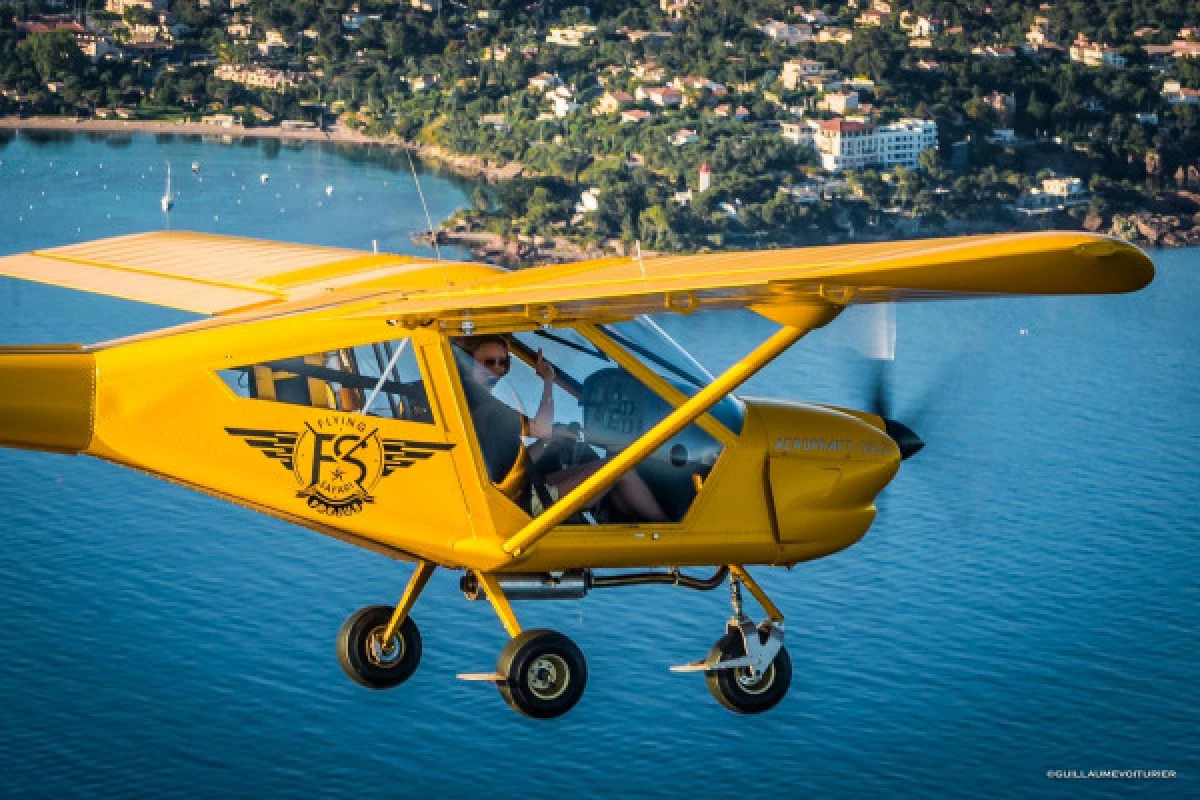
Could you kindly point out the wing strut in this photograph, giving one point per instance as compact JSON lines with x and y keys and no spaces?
{"x":799,"y":324}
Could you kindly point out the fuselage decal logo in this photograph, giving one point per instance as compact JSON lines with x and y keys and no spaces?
{"x":338,"y":459}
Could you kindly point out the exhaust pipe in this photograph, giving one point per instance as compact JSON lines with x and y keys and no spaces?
{"x":575,"y":584}
{"x":47,"y":398}
{"x":567,"y":586}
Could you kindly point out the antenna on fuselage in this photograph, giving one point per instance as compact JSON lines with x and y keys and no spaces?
{"x":638,"y":258}
{"x":433,"y":237}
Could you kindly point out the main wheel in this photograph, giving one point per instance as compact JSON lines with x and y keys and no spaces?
{"x":372,"y":662}
{"x":544,"y":674}
{"x":736,"y":688}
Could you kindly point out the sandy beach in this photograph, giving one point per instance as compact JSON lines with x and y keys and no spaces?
{"x":467,"y":166}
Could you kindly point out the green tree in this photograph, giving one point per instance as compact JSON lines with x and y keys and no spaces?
{"x":479,"y":201}
{"x":55,"y":55}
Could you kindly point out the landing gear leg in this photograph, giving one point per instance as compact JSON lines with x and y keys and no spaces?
{"x":541,"y":673}
{"x":748,"y":670}
{"x":380,"y":647}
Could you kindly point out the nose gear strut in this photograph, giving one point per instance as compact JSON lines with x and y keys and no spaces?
{"x":748,"y":670}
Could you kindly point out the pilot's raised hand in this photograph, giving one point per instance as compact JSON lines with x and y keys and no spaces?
{"x":544,"y":369}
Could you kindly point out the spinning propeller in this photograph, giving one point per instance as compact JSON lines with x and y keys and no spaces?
{"x":882,"y":394}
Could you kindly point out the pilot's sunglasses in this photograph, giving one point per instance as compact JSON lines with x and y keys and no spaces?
{"x":492,"y":363}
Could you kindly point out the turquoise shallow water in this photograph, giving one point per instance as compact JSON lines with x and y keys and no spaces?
{"x":1027,"y":601}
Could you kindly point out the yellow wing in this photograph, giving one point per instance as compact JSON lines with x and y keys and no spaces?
{"x":772,"y":281}
{"x":224,"y":275}
{"x":211,"y":274}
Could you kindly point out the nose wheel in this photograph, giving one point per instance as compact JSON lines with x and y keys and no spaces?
{"x":748,"y":670}
{"x":745,"y":689}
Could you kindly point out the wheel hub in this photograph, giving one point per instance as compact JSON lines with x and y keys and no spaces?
{"x":548,"y":676}
{"x":384,"y":654}
{"x":755,"y":683}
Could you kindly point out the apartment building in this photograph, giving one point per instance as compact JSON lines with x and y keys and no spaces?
{"x":850,"y":144}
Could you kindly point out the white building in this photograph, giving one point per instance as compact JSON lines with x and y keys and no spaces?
{"x":95,"y":45}
{"x":684,"y":136}
{"x":563,"y":106}
{"x":840,"y":102}
{"x":925,"y":27}
{"x":121,"y":6}
{"x":1174,"y":93}
{"x":257,"y":77}
{"x":1056,"y":194}
{"x":544,"y":81}
{"x":574,"y":36}
{"x":785,"y":33}
{"x":1094,"y":54}
{"x":802,"y":133}
{"x":796,"y":70}
{"x":589,"y":201}
{"x":857,"y":144}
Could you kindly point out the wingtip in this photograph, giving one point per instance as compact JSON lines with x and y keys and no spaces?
{"x":1127,"y":267}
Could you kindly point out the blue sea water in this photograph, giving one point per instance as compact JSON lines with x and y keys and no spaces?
{"x":1027,"y":601}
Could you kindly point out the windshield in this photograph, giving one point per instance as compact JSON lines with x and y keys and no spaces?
{"x":662,"y":354}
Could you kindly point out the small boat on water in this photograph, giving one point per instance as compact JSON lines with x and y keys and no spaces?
{"x":195,"y":166}
{"x":168,"y":200}
{"x":264,"y":178}
{"x":329,"y":191}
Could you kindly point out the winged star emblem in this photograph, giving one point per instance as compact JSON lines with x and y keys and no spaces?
{"x":337,"y":460}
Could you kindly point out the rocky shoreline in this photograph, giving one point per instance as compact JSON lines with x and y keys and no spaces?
{"x":1180,"y":229}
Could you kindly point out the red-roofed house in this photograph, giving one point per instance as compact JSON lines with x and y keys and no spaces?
{"x":662,"y":96}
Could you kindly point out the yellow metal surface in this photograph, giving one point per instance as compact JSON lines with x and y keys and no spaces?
{"x":47,"y":398}
{"x":499,"y":601}
{"x":220,"y":274}
{"x":797,"y":483}
{"x":924,"y":269}
{"x":209,"y":274}
{"x":772,"y":610}
{"x":162,"y":407}
{"x":416,"y":585}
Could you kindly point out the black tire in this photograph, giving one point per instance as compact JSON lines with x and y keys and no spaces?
{"x":736,"y":690}
{"x":368,"y":664}
{"x":544,"y":674}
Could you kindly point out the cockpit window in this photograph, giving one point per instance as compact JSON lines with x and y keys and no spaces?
{"x":549,"y":408}
{"x":380,"y":380}
{"x":658,"y":351}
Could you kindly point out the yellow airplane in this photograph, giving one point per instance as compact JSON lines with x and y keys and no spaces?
{"x":527,"y":428}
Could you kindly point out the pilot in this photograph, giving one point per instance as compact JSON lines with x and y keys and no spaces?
{"x":501,"y":430}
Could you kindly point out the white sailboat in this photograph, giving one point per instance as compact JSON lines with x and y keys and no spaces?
{"x":168,"y":200}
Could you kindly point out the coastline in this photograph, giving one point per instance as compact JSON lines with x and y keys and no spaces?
{"x":1146,"y":228}
{"x":466,"y":166}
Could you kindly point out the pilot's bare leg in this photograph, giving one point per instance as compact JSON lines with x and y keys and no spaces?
{"x":634,"y":491}
{"x":630,"y":489}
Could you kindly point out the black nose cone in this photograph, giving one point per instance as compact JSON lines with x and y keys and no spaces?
{"x":908,"y":442}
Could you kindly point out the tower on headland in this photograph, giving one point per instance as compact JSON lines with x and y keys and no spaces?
{"x":705,"y":177}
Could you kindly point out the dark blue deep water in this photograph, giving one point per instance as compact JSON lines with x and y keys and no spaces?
{"x":1027,"y":601}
